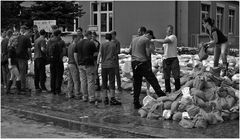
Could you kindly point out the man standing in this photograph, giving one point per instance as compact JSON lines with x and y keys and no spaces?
{"x":74,"y":78}
{"x":141,"y":66}
{"x":170,"y":62}
{"x":55,"y":48}
{"x":40,"y":61}
{"x":4,"y":57}
{"x":84,"y":57}
{"x":118,"y":47}
{"x":23,"y":52}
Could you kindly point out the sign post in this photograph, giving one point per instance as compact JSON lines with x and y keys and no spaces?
{"x":44,"y":24}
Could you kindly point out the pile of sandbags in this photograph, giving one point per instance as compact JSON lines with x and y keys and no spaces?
{"x":202,"y":100}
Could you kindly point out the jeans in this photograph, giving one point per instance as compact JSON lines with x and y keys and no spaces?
{"x":23,"y":67}
{"x":144,"y":69}
{"x":117,"y":74}
{"x":74,"y":80}
{"x":87,"y":78}
{"x":39,"y":73}
{"x":56,"y":70}
{"x":220,"y":50}
{"x":5,"y":74}
{"x":108,"y":74}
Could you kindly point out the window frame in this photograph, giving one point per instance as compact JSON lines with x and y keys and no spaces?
{"x":206,"y":13}
{"x":233,"y":20}
{"x":99,"y":12}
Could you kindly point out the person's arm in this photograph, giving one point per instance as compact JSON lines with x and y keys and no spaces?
{"x":29,"y":46}
{"x":214,"y":40}
{"x":152,"y":48}
{"x":118,"y":47}
{"x":99,"y":55}
{"x":76,"y":54}
{"x":167,"y":40}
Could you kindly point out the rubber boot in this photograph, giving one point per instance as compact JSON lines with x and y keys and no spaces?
{"x":18,"y":84}
{"x":225,"y":69}
{"x":177,"y":84}
{"x":10,"y":82}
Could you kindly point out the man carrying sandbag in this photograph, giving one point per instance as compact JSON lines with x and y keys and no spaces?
{"x":170,"y":62}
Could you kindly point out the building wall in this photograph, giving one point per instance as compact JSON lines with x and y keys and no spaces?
{"x":129,"y":15}
{"x":182,"y":22}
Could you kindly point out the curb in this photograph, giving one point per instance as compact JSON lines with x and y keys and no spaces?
{"x":93,"y":128}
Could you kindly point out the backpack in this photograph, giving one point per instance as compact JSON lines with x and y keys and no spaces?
{"x":53,"y":51}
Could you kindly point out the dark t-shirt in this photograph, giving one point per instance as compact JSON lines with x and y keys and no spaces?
{"x":118,"y":47}
{"x":85,"y":50}
{"x":97,"y":44}
{"x":60,"y":44}
{"x":22,"y":49}
{"x":4,"y":45}
{"x":221,"y":37}
{"x":12,"y":54}
{"x":38,"y":44}
{"x":109,"y":55}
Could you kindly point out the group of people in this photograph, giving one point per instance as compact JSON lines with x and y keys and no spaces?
{"x":85,"y":54}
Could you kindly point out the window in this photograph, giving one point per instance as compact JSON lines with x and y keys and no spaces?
{"x":231,"y":21}
{"x":219,"y":18}
{"x":205,"y":12}
{"x":106,"y":15}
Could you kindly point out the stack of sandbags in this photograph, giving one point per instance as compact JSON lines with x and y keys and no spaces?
{"x":203,"y":99}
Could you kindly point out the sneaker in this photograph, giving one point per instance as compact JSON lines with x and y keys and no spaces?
{"x":106,"y":101}
{"x":113,"y":101}
{"x":85,"y":99}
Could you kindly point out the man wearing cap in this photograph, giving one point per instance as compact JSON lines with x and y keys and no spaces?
{"x":23,"y":52}
{"x":170,"y":62}
{"x":84,"y":56}
{"x":141,"y":66}
{"x":40,"y":61}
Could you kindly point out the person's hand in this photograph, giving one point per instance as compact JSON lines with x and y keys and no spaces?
{"x":10,"y":66}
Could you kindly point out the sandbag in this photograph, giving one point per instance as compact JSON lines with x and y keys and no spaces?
{"x":202,"y":52}
{"x":174,"y":106}
{"x":186,"y":123}
{"x":167,"y":114}
{"x":177,"y":116}
{"x":184,"y":103}
{"x":167,"y":104}
{"x":193,"y":111}
{"x":152,"y":116}
{"x":188,"y":84}
{"x":200,"y":122}
{"x":198,"y":93}
{"x":143,"y":113}
{"x":199,"y":82}
{"x":224,"y":104}
{"x":211,"y":119}
{"x":230,"y":101}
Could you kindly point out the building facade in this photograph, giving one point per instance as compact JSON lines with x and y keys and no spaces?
{"x":186,"y":16}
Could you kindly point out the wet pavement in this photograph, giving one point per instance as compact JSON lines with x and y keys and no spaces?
{"x":120,"y":119}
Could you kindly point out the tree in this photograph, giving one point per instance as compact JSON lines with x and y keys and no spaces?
{"x":10,"y":14}
{"x":64,"y":12}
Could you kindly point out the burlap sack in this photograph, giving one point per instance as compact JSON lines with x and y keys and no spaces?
{"x":177,"y":116}
{"x":199,"y":82}
{"x":186,"y":123}
{"x":167,"y":105}
{"x":174,"y":106}
{"x":193,"y":111}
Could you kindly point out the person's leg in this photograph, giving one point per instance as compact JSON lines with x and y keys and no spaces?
{"x":167,"y":75}
{"x":18,"y":78}
{"x":10,"y":82}
{"x":5,"y":74}
{"x":146,"y":71}
{"x":23,"y":64}
{"x":76,"y":81}
{"x":176,"y":73}
{"x":90,"y":71}
{"x":37,"y":73}
{"x":42,"y":71}
{"x":117,"y":73}
{"x":104,"y":85}
{"x":97,"y":77}
{"x":137,"y":83}
{"x":217,"y":53}
{"x":53,"y":77}
{"x":59,"y":77}
{"x":112,"y":74}
{"x":70,"y":81}
{"x":224,"y":53}
{"x":83,"y":79}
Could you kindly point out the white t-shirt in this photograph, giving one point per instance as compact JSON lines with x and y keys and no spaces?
{"x":170,"y":49}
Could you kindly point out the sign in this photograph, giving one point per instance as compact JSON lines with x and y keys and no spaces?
{"x":92,"y":27}
{"x":44,"y":24}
